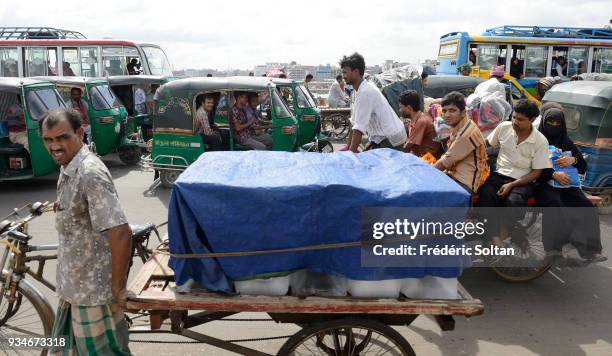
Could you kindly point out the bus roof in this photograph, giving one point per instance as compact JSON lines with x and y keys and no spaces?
{"x":538,"y":34}
{"x":73,"y":42}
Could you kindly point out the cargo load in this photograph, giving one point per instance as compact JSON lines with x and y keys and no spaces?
{"x":261,"y":200}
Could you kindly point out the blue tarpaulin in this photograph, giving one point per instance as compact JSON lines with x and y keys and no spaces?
{"x":258,"y":200}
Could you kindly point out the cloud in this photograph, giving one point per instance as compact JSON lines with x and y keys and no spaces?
{"x":241,"y":34}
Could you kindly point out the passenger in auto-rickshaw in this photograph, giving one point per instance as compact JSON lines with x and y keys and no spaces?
{"x":252,"y":111}
{"x":210,"y":136}
{"x":18,"y":133}
{"x":523,"y":154}
{"x":243,"y":128}
{"x":421,"y":131}
{"x":80,"y":105}
{"x":558,"y":224}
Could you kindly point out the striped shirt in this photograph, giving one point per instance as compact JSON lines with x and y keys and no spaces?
{"x":466,"y":157}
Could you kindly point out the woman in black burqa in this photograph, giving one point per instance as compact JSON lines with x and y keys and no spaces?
{"x":570,"y":216}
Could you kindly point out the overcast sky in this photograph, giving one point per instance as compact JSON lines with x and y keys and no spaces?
{"x":238,"y":34}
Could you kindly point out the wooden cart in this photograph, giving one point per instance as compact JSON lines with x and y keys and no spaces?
{"x":342,"y":326}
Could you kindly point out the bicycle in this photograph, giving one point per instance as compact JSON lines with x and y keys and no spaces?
{"x":24,"y":310}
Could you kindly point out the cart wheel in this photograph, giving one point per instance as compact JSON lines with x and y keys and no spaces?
{"x":347,"y":337}
{"x":168,"y":177}
{"x":130,"y":155}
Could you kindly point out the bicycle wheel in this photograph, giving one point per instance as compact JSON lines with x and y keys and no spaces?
{"x":347,"y":337}
{"x":29,"y":315}
{"x":535,"y":264}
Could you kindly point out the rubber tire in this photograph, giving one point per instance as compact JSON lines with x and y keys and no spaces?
{"x":42,"y":306}
{"x":130,"y":155}
{"x":309,"y":331}
{"x":537,"y":273}
{"x":168,"y":177}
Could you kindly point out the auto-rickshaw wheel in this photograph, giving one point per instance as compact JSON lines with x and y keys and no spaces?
{"x":130,"y":155}
{"x":347,"y":337}
{"x":168,"y":177}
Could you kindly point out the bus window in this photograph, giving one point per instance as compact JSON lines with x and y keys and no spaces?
{"x":576,"y":61}
{"x":8,"y":62}
{"x":89,"y":62}
{"x":114,"y":61}
{"x":490,"y":55}
{"x":35,"y":62}
{"x":517,"y":62}
{"x":448,"y":50}
{"x":52,"y":60}
{"x":71,"y":64}
{"x":559,"y":62}
{"x":602,"y":60}
{"x":535,"y":61}
{"x":157,"y":60}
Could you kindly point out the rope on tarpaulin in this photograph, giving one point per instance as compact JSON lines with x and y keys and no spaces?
{"x":294,"y":249}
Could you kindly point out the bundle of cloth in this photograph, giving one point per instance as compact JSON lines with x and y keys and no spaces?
{"x":488,"y":107}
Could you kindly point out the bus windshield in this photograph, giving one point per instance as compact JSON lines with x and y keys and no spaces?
{"x":103,"y":98}
{"x":158,"y":62}
{"x":42,"y":100}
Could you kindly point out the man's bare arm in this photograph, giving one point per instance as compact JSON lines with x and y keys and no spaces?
{"x":121,"y":253}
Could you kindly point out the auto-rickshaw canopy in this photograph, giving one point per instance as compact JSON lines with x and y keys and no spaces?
{"x":138,"y":79}
{"x":587,"y":107}
{"x":14,"y":85}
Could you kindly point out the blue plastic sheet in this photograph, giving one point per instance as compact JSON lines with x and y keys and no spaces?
{"x":258,"y":200}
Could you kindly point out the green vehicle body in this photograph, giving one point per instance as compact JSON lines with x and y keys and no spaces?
{"x":37,"y":97}
{"x":175,"y":143}
{"x":140,"y":119}
{"x":112,"y":128}
{"x":304,"y":108}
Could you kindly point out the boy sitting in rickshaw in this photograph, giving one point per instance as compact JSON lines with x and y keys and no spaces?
{"x":244,"y":127}
{"x":210,"y":136}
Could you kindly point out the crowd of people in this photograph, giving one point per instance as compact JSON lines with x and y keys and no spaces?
{"x":523,"y":167}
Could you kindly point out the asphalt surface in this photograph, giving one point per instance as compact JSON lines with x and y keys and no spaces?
{"x":565,"y":312}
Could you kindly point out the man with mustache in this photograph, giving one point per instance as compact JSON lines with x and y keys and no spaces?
{"x":94,"y":244}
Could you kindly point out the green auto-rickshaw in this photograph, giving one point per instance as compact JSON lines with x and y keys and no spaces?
{"x":587,"y":106}
{"x":136,"y":93}
{"x":303,"y":106}
{"x":109,"y":130}
{"x":24,"y":101}
{"x":176,"y":144}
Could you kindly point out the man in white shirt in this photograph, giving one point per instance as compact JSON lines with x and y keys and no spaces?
{"x":140,"y":100}
{"x":337,"y":97}
{"x":523,"y":154}
{"x":371,"y":113}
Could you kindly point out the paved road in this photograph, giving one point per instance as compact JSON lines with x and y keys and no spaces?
{"x":566,"y":312}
